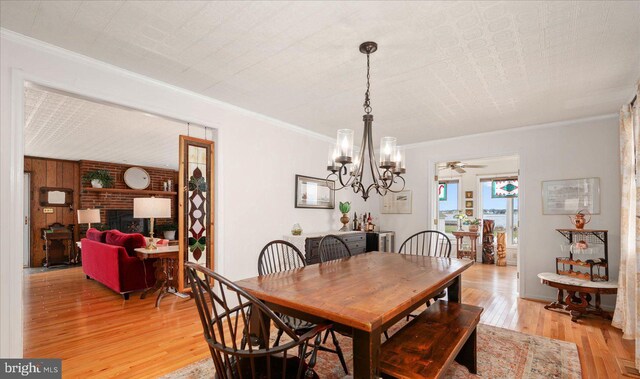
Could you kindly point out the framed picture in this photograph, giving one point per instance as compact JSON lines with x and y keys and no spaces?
{"x":399,"y":202}
{"x":468,"y":212}
{"x":468,"y":194}
{"x":314,"y":193}
{"x":565,"y":197}
{"x":468,"y":204}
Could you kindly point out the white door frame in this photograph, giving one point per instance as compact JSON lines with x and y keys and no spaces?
{"x":26,"y":206}
{"x":462,"y":155}
{"x":11,"y":201}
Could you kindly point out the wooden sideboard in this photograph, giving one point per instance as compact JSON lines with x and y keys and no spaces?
{"x":308,"y":244}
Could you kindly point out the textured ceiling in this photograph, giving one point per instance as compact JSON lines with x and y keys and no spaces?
{"x":443,"y":69}
{"x":64,"y":127}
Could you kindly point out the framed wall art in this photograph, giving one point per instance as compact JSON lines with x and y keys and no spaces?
{"x":314,"y":193}
{"x":399,"y":202}
{"x":565,"y":197}
{"x":468,"y":194}
{"x":468,"y":204}
{"x":468,"y":212}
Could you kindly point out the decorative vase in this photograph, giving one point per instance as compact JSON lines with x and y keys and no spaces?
{"x":344,"y":220}
{"x":473,"y":228}
{"x":296,"y":230}
{"x":169,"y":234}
{"x":96,"y":183}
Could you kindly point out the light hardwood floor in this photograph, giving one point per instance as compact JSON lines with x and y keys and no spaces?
{"x":99,"y":335}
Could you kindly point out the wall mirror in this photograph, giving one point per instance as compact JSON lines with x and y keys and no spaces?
{"x":137,"y":178}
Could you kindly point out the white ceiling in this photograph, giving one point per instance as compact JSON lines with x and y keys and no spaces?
{"x":64,"y":127}
{"x":443,"y":69}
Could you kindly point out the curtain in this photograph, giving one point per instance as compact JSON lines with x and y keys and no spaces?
{"x":627,"y":309}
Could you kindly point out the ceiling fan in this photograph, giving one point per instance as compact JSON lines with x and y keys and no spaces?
{"x":460,"y":166}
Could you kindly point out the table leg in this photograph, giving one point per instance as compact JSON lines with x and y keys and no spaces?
{"x":259,"y":328}
{"x":160,"y":279}
{"x":366,"y":354}
{"x":559,"y":303}
{"x":454,"y":292}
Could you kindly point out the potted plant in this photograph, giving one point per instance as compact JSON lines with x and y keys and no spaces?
{"x":168,"y":230}
{"x":98,"y":178}
{"x":344,"y":209}
{"x":474,"y":224}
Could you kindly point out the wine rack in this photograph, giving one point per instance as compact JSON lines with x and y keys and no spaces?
{"x":595,"y":269}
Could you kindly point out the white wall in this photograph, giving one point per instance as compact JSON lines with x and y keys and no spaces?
{"x":566,"y":150}
{"x":257,"y":159}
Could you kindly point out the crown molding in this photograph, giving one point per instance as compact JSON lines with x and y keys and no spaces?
{"x":554,"y":124}
{"x":37,"y":44}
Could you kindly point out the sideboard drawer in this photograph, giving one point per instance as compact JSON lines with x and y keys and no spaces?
{"x":354,"y":237}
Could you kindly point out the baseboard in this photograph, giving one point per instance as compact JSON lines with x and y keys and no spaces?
{"x":627,"y":368}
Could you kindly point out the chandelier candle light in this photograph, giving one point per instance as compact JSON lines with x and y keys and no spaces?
{"x":349,"y":169}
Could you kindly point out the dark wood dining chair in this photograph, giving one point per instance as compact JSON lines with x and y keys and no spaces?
{"x":431,"y":243}
{"x":225,"y":312}
{"x":277,"y":256}
{"x":332,"y":247}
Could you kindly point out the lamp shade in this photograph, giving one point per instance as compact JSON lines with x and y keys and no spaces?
{"x":145,"y":207}
{"x":88,"y":216}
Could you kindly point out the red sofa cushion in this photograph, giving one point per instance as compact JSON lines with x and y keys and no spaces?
{"x":95,"y":235}
{"x":129,"y":241}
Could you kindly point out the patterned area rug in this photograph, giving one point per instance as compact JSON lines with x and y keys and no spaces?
{"x":502,"y":353}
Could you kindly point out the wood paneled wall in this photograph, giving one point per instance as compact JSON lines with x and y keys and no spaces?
{"x":47,"y":172}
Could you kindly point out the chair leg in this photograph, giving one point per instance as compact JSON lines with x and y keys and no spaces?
{"x":125,"y":296}
{"x":277,"y":342}
{"x":339,"y":352}
{"x":326,"y":335}
{"x":386,"y":335}
{"x":314,"y":355}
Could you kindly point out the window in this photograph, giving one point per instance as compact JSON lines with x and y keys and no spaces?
{"x":448,"y":206}
{"x":501,"y":207}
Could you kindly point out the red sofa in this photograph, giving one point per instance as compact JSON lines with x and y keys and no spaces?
{"x":109,"y":258}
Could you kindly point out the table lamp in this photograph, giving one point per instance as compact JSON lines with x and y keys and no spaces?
{"x":87,"y":216}
{"x":151,"y":207}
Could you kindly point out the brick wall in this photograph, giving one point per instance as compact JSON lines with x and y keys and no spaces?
{"x":104,"y":201}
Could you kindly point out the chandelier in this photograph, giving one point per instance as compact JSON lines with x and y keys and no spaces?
{"x":348,"y":169}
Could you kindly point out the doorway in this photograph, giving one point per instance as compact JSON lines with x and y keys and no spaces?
{"x":481,"y":191}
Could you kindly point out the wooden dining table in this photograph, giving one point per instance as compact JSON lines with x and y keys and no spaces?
{"x":362,"y":296}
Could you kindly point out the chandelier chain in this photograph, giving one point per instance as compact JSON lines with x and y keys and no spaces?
{"x":367,"y":100}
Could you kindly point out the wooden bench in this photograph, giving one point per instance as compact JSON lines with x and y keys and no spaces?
{"x":426,"y":346}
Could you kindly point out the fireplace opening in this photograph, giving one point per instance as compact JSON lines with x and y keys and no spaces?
{"x":122,"y":220}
